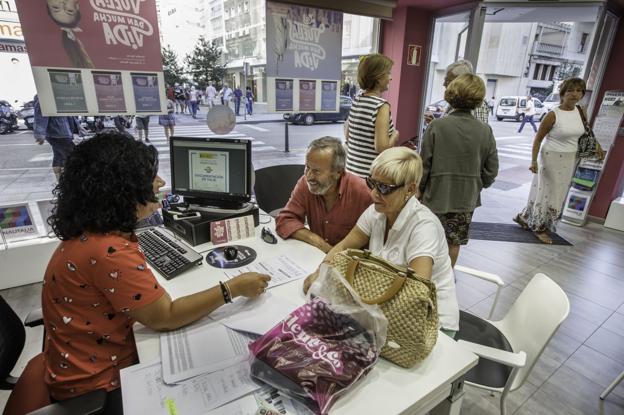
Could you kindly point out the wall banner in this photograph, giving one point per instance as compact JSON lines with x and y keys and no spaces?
{"x":93,"y":38}
{"x":304,"y":48}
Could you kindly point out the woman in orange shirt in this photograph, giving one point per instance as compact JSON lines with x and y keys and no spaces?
{"x":97,"y":283}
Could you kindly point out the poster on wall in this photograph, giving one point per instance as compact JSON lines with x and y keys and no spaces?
{"x":307,"y":95}
{"x":68,"y":91}
{"x":305,"y":45}
{"x":284,"y":94}
{"x":109,"y":92}
{"x":146,"y":92}
{"x":91,"y":37}
{"x":328,"y":95}
{"x":16,"y":222}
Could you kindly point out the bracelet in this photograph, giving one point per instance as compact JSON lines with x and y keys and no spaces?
{"x":227,"y":287}
{"x":227,"y":298}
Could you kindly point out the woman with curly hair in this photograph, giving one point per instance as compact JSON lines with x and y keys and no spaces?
{"x":97,"y":283}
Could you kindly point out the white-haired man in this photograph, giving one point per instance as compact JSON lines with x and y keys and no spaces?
{"x":327,"y":197}
{"x":454,"y":70}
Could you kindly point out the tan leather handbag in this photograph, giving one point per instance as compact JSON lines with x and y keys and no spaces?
{"x":408,"y":301}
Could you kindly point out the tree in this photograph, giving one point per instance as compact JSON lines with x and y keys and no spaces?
{"x":172,"y":69}
{"x":204,"y":63}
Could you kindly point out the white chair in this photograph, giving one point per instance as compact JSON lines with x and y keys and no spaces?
{"x":509,"y":348}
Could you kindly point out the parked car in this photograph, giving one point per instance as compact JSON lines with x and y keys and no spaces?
{"x":438,"y":108}
{"x":513,"y":107}
{"x":309,"y":118}
{"x":551,"y":101}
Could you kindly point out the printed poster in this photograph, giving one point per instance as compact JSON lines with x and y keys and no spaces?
{"x":209,"y":170}
{"x":68,"y":91}
{"x":328,"y":95}
{"x":303,"y":43}
{"x":109,"y":92}
{"x":146,"y":92}
{"x":16,"y":223}
{"x":91,"y":36}
{"x":284,"y":94}
{"x":307,"y":95}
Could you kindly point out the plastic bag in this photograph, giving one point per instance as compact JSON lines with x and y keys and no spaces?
{"x":321,"y":349}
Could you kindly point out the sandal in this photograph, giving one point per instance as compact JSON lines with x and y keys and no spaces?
{"x":544,"y":237}
{"x":521,"y":222}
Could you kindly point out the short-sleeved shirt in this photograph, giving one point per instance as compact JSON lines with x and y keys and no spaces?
{"x":353,"y":199}
{"x":90,"y":285}
{"x":417,"y":232}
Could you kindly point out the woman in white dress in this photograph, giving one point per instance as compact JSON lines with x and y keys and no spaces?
{"x":556,"y":143}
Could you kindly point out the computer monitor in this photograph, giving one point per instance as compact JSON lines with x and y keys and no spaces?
{"x":212,"y":171}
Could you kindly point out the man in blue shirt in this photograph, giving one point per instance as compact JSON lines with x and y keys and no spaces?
{"x":238,"y":94}
{"x":59,"y":133}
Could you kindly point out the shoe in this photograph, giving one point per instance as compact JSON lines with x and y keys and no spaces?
{"x":518,"y":219}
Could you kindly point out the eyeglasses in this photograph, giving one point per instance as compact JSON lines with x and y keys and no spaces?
{"x":382,"y":188}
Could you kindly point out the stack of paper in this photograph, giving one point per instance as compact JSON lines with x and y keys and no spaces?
{"x":281,"y":269}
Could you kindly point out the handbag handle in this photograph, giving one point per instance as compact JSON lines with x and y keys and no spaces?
{"x":585,"y":122}
{"x":396,"y":286}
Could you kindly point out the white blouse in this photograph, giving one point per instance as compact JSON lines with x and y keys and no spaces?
{"x":417,"y":232}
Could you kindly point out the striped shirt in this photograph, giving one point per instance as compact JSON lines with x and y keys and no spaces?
{"x":361,"y":143}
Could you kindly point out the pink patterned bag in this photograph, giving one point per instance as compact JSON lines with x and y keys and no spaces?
{"x":320,"y":350}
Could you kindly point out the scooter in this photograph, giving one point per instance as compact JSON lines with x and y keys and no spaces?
{"x":8,"y":118}
{"x":27,"y":113}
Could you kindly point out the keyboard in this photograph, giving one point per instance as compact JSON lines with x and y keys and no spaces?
{"x":169,"y":257}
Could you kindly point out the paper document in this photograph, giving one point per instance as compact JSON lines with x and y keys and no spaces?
{"x":258,"y":315}
{"x":281,"y":269}
{"x":202,"y":347}
{"x":244,"y":406}
{"x":144,"y":392}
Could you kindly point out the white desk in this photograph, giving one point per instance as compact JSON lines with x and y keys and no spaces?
{"x":388,"y":389}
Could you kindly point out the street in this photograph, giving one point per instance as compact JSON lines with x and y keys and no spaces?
{"x":26,"y":174}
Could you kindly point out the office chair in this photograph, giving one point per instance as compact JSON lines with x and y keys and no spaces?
{"x":274,"y":185}
{"x":29,"y":392}
{"x":509,"y":348}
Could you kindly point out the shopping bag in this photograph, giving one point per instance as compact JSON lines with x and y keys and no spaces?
{"x":320,"y":350}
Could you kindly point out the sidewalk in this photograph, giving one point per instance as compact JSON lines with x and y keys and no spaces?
{"x":260,"y":114}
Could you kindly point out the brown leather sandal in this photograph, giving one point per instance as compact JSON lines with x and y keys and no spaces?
{"x":544,"y":237}
{"x":521,"y":222}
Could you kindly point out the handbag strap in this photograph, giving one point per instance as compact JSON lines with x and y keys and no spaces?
{"x":394,"y":288}
{"x":585,"y":123}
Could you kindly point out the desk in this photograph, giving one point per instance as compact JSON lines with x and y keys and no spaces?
{"x":388,"y":389}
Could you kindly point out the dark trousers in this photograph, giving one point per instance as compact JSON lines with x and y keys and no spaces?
{"x":525,"y":119}
{"x":237,"y":106}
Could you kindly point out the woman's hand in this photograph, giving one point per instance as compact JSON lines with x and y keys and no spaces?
{"x":309,"y":281}
{"x":533,"y":167}
{"x":600,"y":153}
{"x":249,"y":284}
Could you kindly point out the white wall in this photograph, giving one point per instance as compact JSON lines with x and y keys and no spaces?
{"x":17,"y":79}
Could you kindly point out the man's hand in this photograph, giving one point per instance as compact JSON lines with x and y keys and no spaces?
{"x":428,"y":117}
{"x":39,"y":140}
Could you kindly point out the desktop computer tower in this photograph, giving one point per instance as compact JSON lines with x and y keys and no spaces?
{"x":196,"y":231}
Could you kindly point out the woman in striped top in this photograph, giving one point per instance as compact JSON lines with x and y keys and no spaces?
{"x":370,"y":129}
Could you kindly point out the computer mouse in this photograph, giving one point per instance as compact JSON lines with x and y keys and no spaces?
{"x":230,"y":252}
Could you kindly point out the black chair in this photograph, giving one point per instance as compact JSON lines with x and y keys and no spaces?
{"x":12,"y":339}
{"x":275,"y":184}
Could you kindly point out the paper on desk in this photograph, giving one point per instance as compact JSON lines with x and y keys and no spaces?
{"x":202,"y":347}
{"x":144,"y":392}
{"x":258,"y":315}
{"x":244,"y":406}
{"x":281,"y":269}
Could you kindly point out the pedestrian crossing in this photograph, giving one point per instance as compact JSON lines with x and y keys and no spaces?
{"x":520,"y":151}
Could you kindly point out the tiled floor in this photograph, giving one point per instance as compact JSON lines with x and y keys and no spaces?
{"x":584,"y":356}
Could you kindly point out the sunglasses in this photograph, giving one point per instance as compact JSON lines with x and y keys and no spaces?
{"x":382,"y":188}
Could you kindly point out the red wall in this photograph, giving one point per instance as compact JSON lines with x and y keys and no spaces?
{"x":612,"y":181}
{"x":409,"y":26}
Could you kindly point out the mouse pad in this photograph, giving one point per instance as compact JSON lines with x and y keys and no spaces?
{"x":244,"y":256}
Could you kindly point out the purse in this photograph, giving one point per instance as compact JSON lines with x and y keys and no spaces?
{"x":408,"y":301}
{"x":587,"y":144}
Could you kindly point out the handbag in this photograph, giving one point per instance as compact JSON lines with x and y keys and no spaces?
{"x":587,"y":144}
{"x":408,"y":301}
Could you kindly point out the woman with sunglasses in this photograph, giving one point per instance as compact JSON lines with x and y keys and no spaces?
{"x":97,"y":283}
{"x":398,"y":228}
{"x":459,"y":159}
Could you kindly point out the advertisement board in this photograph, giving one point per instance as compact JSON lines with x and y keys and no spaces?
{"x":85,"y":38}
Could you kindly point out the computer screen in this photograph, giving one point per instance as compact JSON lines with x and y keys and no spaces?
{"x":211,"y":171}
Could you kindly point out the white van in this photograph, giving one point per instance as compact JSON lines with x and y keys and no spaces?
{"x":551,"y":101}
{"x":513,"y":107}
